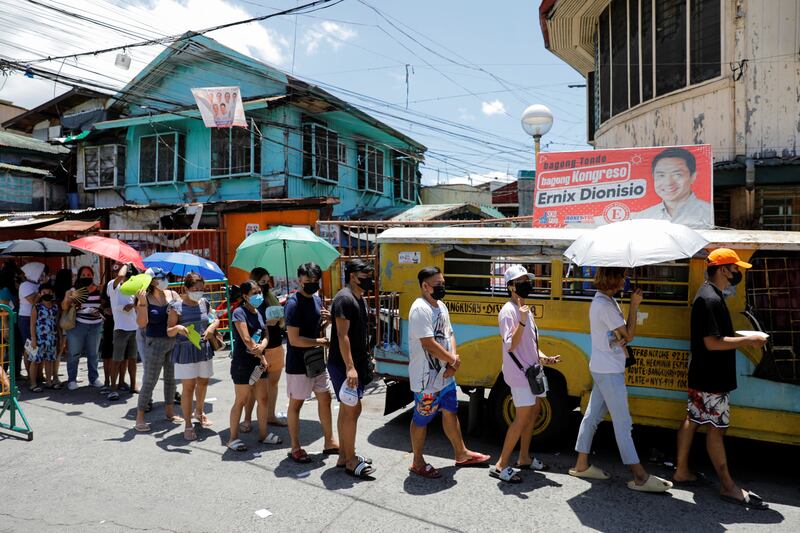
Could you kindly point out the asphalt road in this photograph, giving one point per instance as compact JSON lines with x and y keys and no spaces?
{"x":88,"y":470}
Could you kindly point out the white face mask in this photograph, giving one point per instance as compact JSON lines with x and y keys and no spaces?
{"x":162,"y":284}
{"x":195,"y":295}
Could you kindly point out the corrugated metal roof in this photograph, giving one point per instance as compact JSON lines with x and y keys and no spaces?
{"x":739,"y":239}
{"x":434,"y":211}
{"x":12,"y":140}
{"x":27,"y":170}
{"x":72,"y":225}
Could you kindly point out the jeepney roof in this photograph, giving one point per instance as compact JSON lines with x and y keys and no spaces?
{"x":555,"y":237}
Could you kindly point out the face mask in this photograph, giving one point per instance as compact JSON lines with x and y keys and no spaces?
{"x":524,"y":289}
{"x":256,"y":300}
{"x":47,"y":297}
{"x":195,"y":295}
{"x":439,"y":292}
{"x":310,"y":288}
{"x":162,"y":284}
{"x":736,"y":278}
{"x":366,"y":284}
{"x":83,"y":282}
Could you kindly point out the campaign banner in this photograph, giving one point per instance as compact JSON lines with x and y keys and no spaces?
{"x":596,"y":187}
{"x":220,"y":107}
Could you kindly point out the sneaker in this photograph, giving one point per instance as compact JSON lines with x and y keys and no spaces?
{"x":72,"y":385}
{"x":113,"y":395}
{"x":98,"y":383}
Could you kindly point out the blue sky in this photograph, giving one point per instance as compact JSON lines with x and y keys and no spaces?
{"x":475,"y":65}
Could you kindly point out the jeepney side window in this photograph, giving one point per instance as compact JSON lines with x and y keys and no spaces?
{"x":665,"y":282}
{"x":479,"y":275}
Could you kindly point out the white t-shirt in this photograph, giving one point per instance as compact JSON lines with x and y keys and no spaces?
{"x":123,"y":320}
{"x":425,"y":372}
{"x":26,"y":289}
{"x":608,"y":357}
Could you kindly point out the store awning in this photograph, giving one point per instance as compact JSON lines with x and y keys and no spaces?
{"x":72,"y":225}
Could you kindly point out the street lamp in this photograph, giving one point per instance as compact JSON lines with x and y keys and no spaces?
{"x":537,"y":120}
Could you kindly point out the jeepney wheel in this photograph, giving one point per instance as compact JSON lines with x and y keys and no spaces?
{"x":553,"y":418}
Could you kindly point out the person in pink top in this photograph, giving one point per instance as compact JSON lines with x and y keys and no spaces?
{"x":520,"y":337}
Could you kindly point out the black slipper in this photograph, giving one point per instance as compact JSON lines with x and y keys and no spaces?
{"x":330,"y":451}
{"x":701,"y":481}
{"x":750,"y":501}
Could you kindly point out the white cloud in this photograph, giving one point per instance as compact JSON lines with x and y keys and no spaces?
{"x":143,"y":19}
{"x":328,"y":33}
{"x":495,"y":107}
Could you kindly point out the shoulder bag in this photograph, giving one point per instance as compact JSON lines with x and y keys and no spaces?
{"x":68,"y":319}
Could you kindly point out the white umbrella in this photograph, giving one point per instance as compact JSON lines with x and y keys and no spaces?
{"x":635,"y":243}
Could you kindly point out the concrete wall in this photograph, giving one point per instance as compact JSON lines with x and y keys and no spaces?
{"x":455,"y":194}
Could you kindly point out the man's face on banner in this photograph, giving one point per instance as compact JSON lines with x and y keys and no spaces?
{"x":227,"y":98}
{"x":672,"y":180}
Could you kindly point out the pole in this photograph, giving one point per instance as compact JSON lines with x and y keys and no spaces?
{"x":536,"y":142}
{"x":286,"y":267}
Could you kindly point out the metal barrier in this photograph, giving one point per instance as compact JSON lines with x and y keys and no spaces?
{"x":218,"y":295}
{"x":208,"y":243}
{"x":8,"y":384}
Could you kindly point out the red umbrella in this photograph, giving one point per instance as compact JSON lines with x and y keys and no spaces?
{"x":113,"y":249}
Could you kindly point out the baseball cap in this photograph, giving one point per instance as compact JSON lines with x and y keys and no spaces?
{"x":156,"y":273}
{"x":516,"y":271}
{"x":726,"y":256}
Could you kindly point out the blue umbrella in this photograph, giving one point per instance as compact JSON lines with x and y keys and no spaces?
{"x":181,"y":263}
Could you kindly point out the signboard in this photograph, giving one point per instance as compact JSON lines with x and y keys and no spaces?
{"x":220,"y":107}
{"x":249,"y":229}
{"x":464,"y":307}
{"x":409,"y":258}
{"x":658,"y":368}
{"x":331,"y":233}
{"x":592,"y":188}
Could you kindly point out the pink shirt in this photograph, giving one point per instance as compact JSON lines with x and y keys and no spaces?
{"x":527,"y":351}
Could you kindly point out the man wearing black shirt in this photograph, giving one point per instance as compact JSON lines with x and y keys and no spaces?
{"x":712,"y":375}
{"x":349,"y":360}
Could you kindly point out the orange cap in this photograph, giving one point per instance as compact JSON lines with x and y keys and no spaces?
{"x":726,"y":256}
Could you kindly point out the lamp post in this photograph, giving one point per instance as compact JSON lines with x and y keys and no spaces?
{"x":537,"y":120}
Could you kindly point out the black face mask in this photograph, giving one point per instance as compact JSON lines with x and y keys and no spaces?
{"x":736,"y":278}
{"x":524,"y":288}
{"x":439,"y":292}
{"x":47,"y":297}
{"x":81,"y":283}
{"x":311,"y":288}
{"x":366,"y":284}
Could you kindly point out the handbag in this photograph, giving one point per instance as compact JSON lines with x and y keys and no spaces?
{"x":534,"y":374}
{"x":217,"y":341}
{"x":630,"y":359}
{"x":67,"y":320}
{"x":314,"y":358}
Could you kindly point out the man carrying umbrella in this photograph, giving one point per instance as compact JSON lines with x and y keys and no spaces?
{"x":712,"y":375}
{"x":124,"y":337}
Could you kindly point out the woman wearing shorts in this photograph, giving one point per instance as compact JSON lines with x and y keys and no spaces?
{"x":193,"y":365}
{"x":520,"y":337}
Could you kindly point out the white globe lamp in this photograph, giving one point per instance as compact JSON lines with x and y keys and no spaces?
{"x":537,"y":119}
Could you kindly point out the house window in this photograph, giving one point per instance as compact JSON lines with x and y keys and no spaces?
{"x":342,"y":153}
{"x":161,"y":158}
{"x":235,"y":151}
{"x":104,"y":166}
{"x":370,"y":168}
{"x":649,"y":48}
{"x":405,"y":177}
{"x":320,"y":153}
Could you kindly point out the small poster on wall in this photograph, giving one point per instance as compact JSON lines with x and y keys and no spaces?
{"x":249,"y":229}
{"x":220,"y":107}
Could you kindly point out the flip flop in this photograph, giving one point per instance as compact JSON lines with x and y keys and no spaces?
{"x":590,"y":473}
{"x":700,"y":481}
{"x":363,"y":470}
{"x":751,"y":501}
{"x":204,"y":421}
{"x":535,"y":465}
{"x":330,"y":451}
{"x":175,"y":419}
{"x":245,"y":427}
{"x":360,"y":458}
{"x":299,"y":456}
{"x":237,"y":446}
{"x":279,"y":421}
{"x":271,"y":439}
{"x":475,"y":459}
{"x":653,"y":484}
{"x":36,"y":389}
{"x":142,"y":428}
{"x":508,"y":474}
{"x":427,"y":471}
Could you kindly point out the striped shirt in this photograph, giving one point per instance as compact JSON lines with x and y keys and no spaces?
{"x":89,"y":311}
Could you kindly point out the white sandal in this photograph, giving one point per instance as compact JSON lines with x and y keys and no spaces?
{"x":272,"y":439}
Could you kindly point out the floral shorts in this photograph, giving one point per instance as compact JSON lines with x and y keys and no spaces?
{"x":709,"y":408}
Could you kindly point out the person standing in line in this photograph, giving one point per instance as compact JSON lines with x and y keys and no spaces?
{"x":151,"y":313}
{"x":44,"y":337}
{"x":124,"y":351}
{"x":610,"y":333}
{"x":62,"y":284}
{"x":274,"y":353}
{"x":521,"y":338}
{"x":349,"y":362}
{"x":84,"y":338}
{"x":712,"y":375}
{"x":193,"y":366}
{"x":433,"y":361}
{"x":306,"y":320}
{"x":249,"y":365}
{"x":34,"y":273}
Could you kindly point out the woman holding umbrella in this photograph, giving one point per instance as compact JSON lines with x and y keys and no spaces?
{"x":84,"y":338}
{"x":152,"y":306}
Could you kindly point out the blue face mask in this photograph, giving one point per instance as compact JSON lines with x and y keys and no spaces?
{"x":256,"y":300}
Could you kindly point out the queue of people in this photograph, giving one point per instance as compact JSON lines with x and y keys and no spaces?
{"x":165,"y":320}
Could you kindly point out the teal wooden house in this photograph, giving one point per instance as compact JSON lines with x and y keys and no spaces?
{"x":301,"y":141}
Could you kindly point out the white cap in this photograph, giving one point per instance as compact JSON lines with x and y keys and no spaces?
{"x":516,"y":271}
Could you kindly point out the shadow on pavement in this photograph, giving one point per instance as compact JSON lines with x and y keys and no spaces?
{"x":531,"y":481}
{"x":337,"y":479}
{"x":419,"y":486}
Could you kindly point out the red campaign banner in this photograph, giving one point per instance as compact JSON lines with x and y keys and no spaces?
{"x":596,"y":187}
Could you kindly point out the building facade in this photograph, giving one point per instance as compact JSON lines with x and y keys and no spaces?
{"x":677,"y":72}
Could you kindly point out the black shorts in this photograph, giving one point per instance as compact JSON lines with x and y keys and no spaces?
{"x":241,"y":371}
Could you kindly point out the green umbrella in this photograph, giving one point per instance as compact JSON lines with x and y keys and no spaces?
{"x":282,"y":248}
